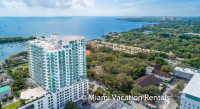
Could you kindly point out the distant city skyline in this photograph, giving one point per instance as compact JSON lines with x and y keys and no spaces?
{"x":99,"y":8}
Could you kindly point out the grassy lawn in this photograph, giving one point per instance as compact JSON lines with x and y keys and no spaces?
{"x":12,"y":105}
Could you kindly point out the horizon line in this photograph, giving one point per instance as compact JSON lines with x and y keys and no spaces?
{"x":110,"y":16}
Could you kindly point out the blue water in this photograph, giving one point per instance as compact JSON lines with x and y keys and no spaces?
{"x":89,"y":27}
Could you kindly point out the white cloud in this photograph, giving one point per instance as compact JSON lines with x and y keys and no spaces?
{"x":87,"y":8}
{"x":11,"y":3}
{"x":82,"y":4}
{"x":59,"y":4}
{"x":64,"y":4}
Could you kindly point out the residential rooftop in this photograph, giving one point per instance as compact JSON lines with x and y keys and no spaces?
{"x":112,"y":104}
{"x":5,"y":88}
{"x":161,"y":73}
{"x":192,"y":34}
{"x":34,"y":93}
{"x":157,"y":66}
{"x":187,"y":70}
{"x":56,"y":41}
{"x":147,"y":80}
{"x":5,"y":79}
{"x":193,"y":87}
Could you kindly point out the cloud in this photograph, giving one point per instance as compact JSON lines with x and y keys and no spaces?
{"x":59,"y":4}
{"x":11,"y":3}
{"x":101,"y":8}
{"x":49,"y":3}
{"x":64,"y":4}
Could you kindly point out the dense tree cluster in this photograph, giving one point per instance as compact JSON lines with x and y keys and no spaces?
{"x":18,"y":74}
{"x":15,"y":39}
{"x":121,"y":68}
{"x":19,"y":83}
{"x":10,"y":63}
{"x":23,"y":53}
{"x":167,"y":36}
{"x":150,"y":90}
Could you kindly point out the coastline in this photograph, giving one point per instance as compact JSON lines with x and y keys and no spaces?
{"x":15,"y":49}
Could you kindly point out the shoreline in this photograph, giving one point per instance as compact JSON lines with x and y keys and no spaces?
{"x":22,"y":41}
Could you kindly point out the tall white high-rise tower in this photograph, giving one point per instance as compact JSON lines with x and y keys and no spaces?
{"x":58,"y":64}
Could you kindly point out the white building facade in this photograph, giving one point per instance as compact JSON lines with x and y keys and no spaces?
{"x":149,"y":69}
{"x":186,"y":73}
{"x":190,"y":98}
{"x":58,"y":64}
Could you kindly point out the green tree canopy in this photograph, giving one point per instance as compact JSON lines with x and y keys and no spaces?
{"x":22,"y":101}
{"x":160,"y":60}
{"x":11,"y":97}
{"x":71,"y":105}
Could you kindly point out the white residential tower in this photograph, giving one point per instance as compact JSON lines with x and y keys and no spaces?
{"x":58,"y":64}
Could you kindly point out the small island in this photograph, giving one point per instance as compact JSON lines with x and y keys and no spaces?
{"x":15,"y":39}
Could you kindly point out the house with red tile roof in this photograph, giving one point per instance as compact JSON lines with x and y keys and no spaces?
{"x":147,"y":80}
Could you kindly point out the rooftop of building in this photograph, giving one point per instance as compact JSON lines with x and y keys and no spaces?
{"x":187,"y":70}
{"x":33,"y":93}
{"x":157,"y":66}
{"x":147,"y":80}
{"x":192,"y":34}
{"x":112,"y":104}
{"x":5,"y":79}
{"x":88,"y":52}
{"x":5,"y":88}
{"x":161,"y":73}
{"x":56,"y":41}
{"x":193,"y":86}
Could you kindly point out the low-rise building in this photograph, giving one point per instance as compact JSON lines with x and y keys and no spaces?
{"x":147,"y":80}
{"x":149,"y":69}
{"x":190,"y":98}
{"x":190,"y":34}
{"x":5,"y":80}
{"x":121,"y":48}
{"x":5,"y":92}
{"x":185,"y":73}
{"x":41,"y":99}
{"x":162,"y":75}
{"x":156,"y":71}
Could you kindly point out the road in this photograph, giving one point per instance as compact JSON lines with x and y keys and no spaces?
{"x":172,"y":104}
{"x":163,"y":104}
{"x":137,"y":105}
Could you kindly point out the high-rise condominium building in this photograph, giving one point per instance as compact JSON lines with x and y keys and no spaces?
{"x":58,"y":61}
{"x":58,"y":64}
{"x":190,"y":98}
{"x":172,"y":18}
{"x":164,"y":19}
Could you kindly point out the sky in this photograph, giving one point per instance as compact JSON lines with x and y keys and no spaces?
{"x":99,"y":8}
